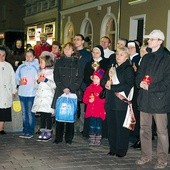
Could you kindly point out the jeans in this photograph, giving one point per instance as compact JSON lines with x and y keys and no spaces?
{"x":146,"y":135}
{"x":95,"y":126}
{"x":28,"y":116}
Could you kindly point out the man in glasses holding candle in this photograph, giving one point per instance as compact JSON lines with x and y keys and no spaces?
{"x":153,"y":79}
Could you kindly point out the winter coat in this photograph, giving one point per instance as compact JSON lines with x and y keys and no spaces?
{"x":45,"y":93}
{"x":125,"y":75}
{"x":96,"y":108}
{"x":157,"y":66}
{"x":7,"y":84}
{"x":67,"y":74}
{"x":40,"y":48}
{"x":17,"y":55}
{"x":29,"y":70}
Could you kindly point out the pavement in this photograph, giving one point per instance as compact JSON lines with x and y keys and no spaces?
{"x":28,"y":154}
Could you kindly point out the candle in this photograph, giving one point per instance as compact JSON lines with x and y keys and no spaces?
{"x":147,"y":79}
{"x":24,"y":80}
{"x":92,"y":95}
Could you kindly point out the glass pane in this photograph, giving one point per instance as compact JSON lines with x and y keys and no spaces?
{"x":110,"y":32}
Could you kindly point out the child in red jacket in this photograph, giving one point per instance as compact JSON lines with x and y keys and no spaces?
{"x":95,"y":111}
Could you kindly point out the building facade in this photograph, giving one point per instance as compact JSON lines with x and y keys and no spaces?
{"x":129,"y":19}
{"x":41,"y":16}
{"x":11,"y":19}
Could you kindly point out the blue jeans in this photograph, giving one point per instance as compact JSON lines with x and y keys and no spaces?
{"x":28,"y":116}
{"x":95,"y":126}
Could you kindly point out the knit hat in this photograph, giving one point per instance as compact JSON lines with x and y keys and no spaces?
{"x":99,"y":73}
{"x":100,"y":48}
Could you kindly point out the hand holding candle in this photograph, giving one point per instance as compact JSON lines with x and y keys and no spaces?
{"x":91,"y":97}
{"x":147,"y":79}
{"x":41,"y":78}
{"x":23,"y":81}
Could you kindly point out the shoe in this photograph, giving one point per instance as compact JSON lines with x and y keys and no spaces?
{"x":136,"y":145}
{"x":120,"y":156}
{"x":42,"y":133}
{"x":47,"y":136}
{"x":2,"y":132}
{"x":56,"y":141}
{"x":142,"y":161}
{"x":92,"y":143}
{"x":26,"y":136}
{"x":160,"y":165}
{"x":111,"y":153}
{"x":69,"y":142}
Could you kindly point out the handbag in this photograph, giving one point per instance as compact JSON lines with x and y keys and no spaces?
{"x":16,"y":106}
{"x":102,"y":94}
{"x":66,"y":108}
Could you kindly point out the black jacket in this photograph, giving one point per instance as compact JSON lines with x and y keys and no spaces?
{"x":125,"y":75}
{"x":157,"y":66}
{"x":67,"y":74}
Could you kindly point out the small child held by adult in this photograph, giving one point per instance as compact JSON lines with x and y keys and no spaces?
{"x":95,"y":111}
{"x":26,"y":76}
{"x":44,"y":96}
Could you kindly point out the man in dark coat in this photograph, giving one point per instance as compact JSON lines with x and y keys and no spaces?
{"x":153,"y":79}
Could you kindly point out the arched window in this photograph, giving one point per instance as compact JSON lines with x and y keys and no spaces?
{"x":68,"y":33}
{"x":109,"y":28}
{"x":110,"y":32}
{"x":87,"y":30}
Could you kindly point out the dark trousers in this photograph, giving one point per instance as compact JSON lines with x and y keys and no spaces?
{"x":69,"y":131}
{"x":45,"y":120}
{"x":118,"y":136}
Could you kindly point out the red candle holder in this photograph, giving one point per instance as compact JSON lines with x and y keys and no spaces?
{"x":147,"y":79}
{"x":91,"y":96}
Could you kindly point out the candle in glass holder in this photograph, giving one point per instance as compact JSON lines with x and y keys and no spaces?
{"x":24,"y":80}
{"x":147,"y":79}
{"x":42,"y":75}
{"x":91,"y":95}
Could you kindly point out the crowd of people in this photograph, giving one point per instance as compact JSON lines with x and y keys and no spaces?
{"x":103,"y":80}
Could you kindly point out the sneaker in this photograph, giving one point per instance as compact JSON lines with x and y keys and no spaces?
{"x":22,"y":136}
{"x":160,"y":165}
{"x":47,"y":136}
{"x":142,"y":161}
{"x":40,"y":137}
{"x":92,"y":143}
{"x":26,"y":136}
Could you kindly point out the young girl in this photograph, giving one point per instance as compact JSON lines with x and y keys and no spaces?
{"x":95,"y":108}
{"x":68,"y":77}
{"x":44,"y":95}
{"x":26,"y":76}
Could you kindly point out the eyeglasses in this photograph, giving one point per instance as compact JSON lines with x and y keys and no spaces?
{"x":154,"y":39}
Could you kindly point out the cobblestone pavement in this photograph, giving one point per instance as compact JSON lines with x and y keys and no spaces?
{"x":29,"y":154}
